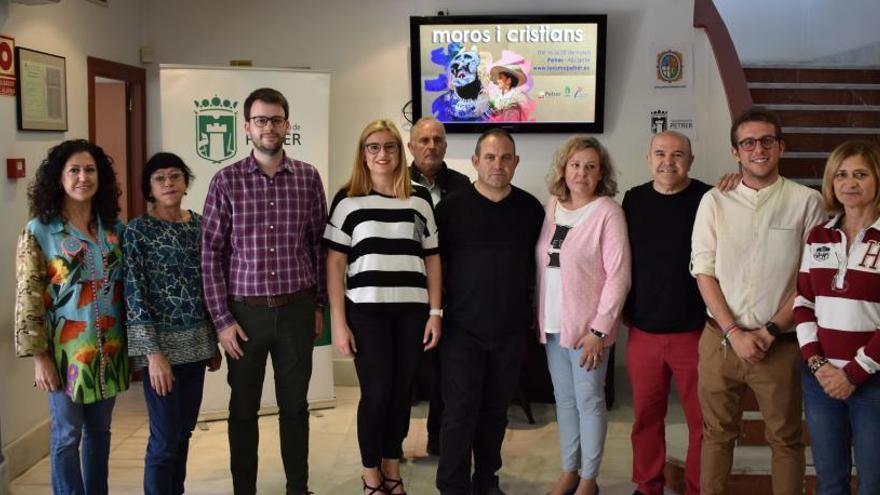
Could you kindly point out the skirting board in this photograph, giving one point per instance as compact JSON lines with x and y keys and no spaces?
{"x":4,"y":479}
{"x":24,"y":452}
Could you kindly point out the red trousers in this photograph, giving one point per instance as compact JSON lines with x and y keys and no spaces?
{"x":652,"y":359}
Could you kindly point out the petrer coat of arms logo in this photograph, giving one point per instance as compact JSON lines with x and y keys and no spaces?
{"x":216,"y":139}
{"x":670,"y":66}
{"x":659,"y":121}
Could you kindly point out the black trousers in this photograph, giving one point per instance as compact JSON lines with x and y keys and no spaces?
{"x":389,"y":347}
{"x":435,"y":404}
{"x":479,"y":380}
{"x":286,"y":333}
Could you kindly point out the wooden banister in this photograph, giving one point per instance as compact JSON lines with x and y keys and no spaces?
{"x":733,"y":77}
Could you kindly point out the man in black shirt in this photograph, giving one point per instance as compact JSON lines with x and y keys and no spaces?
{"x":487,"y":240}
{"x":427,"y":143}
{"x":664,"y":309}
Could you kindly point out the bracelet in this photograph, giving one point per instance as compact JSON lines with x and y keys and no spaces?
{"x":816,"y":364}
{"x":726,"y":330}
{"x":598,"y":333}
{"x":436,"y":312}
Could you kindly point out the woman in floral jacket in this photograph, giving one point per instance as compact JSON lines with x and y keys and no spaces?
{"x":68,"y":308}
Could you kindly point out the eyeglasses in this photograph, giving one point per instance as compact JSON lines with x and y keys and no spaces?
{"x":160,"y":179}
{"x":767,"y":142}
{"x":261,"y":121}
{"x":373,"y":148}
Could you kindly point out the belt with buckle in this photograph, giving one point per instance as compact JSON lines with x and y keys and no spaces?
{"x":272,"y":301}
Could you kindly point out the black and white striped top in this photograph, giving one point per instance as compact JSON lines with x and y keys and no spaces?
{"x":386,"y":240}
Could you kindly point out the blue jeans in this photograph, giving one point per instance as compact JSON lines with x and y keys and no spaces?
{"x":70,"y":423}
{"x":172,"y":420}
{"x":835,"y":427}
{"x":580,"y":408}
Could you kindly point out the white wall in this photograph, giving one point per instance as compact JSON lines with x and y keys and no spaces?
{"x":73,"y":29}
{"x":822,"y":32}
{"x":366,"y":46}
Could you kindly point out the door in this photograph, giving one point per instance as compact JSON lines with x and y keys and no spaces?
{"x":118,"y":123}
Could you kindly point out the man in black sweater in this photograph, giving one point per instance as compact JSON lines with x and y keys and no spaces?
{"x":664,"y":310}
{"x":487,"y":240}
{"x":427,"y":143}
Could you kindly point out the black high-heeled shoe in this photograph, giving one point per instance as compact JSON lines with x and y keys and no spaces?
{"x":374,"y":490}
{"x":394,"y":484}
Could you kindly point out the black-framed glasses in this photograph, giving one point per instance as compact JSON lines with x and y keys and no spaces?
{"x":160,"y":179}
{"x":390,"y":148}
{"x":261,"y":121}
{"x":749,"y":144}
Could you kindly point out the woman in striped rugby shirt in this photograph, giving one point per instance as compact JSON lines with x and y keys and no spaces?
{"x":837,"y":312}
{"x":383,"y":275}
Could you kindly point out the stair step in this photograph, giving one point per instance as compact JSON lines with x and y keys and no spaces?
{"x":815,"y":86}
{"x":801,"y":167}
{"x":821,"y":142}
{"x":795,"y":74}
{"x":747,"y":459}
{"x":823,"y":108}
{"x":811,"y":118}
{"x":753,"y":428}
{"x":811,"y":182}
{"x":807,"y":154}
{"x":816,"y":96}
{"x":741,"y":483}
{"x":830,"y":130}
{"x":749,"y":475}
{"x":748,"y":401}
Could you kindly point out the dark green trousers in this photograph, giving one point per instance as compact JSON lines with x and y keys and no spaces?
{"x":285,"y":333}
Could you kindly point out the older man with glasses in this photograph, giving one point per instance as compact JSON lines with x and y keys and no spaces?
{"x":745,"y":254}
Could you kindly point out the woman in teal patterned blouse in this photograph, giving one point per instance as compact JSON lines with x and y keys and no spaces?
{"x":169,"y":332}
{"x":68,"y":308}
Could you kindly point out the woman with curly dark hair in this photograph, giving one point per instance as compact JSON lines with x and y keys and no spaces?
{"x":68,"y":308}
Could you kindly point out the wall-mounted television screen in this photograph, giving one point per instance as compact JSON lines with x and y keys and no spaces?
{"x":526,"y":73}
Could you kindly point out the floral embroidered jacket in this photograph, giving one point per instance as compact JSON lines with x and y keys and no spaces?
{"x":69,"y":301}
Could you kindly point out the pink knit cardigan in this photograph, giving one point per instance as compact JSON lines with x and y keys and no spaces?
{"x":595,"y":261}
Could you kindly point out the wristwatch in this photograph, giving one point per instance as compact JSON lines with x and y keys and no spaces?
{"x":773,"y":328}
{"x":598,"y":333}
{"x":817,"y":363}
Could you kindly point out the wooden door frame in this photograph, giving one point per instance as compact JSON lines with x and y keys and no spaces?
{"x":135,"y":79}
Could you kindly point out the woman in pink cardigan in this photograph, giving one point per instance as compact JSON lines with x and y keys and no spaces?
{"x":583,"y":275}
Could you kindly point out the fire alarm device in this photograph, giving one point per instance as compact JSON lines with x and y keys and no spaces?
{"x":15,"y":168}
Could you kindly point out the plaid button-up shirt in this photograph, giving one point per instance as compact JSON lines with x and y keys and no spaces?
{"x":261,"y":235}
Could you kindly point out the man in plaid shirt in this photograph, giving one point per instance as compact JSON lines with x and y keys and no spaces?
{"x":263,"y":271}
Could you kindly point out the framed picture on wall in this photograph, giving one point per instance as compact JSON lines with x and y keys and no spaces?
{"x":40,"y":91}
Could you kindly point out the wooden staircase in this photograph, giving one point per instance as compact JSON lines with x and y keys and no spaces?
{"x":750,"y":474}
{"x":820,"y":108}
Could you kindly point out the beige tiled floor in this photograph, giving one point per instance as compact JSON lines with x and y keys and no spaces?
{"x":531,"y":458}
